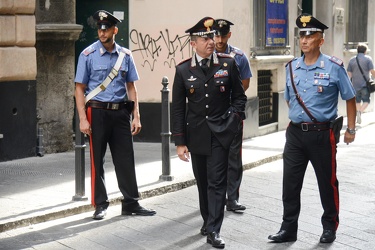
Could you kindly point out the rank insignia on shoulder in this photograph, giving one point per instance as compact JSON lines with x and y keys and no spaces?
{"x":336,"y":60}
{"x":286,"y":65}
{"x":236,"y":51}
{"x":184,"y":61}
{"x":223,"y":55}
{"x":88,"y":50}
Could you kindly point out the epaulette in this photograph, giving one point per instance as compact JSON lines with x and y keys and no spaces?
{"x":126,"y":51}
{"x":336,"y":60}
{"x":89,"y":50}
{"x":295,"y":58}
{"x":237,"y":51}
{"x":184,"y":61}
{"x":223,"y":55}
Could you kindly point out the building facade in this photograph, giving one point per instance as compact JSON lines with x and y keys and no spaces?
{"x":40,"y":41}
{"x":17,"y":79}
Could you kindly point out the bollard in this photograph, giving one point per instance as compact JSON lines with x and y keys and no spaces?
{"x":165,"y":133}
{"x":39,"y":143}
{"x":80,"y":147}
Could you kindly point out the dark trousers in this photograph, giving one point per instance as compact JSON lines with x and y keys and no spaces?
{"x":210,"y":171}
{"x":112,"y":127}
{"x":318,"y":147}
{"x":235,"y":169}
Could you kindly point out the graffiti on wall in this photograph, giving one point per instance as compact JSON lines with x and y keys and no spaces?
{"x":164,"y":49}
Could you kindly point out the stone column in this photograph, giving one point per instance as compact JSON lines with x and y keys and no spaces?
{"x":56,"y":33}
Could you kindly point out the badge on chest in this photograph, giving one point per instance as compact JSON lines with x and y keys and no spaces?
{"x":191,"y":89}
{"x":320,"y":89}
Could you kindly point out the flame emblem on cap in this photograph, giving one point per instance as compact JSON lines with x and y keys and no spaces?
{"x":222,"y":23}
{"x":208,"y":23}
{"x":102,"y":15}
{"x":304,"y":20}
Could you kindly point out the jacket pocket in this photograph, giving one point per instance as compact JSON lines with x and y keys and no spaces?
{"x":193,"y":91}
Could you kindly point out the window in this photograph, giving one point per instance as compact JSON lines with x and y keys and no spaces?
{"x":358,"y":13}
{"x":270,"y":27}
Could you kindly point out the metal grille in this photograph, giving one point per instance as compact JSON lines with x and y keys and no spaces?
{"x":357,"y":20}
{"x":265,"y":97}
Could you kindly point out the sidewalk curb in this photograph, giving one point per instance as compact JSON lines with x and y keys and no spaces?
{"x":152,"y":192}
{"x":117,"y":200}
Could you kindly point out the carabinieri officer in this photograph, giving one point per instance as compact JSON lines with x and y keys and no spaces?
{"x":206,"y":126}
{"x":235,"y":168}
{"x":312,"y":133}
{"x":104,"y":80}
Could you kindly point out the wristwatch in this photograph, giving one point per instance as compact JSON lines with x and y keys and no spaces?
{"x":351,"y":131}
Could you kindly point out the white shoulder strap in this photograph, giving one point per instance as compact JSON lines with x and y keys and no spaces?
{"x":108,"y":79}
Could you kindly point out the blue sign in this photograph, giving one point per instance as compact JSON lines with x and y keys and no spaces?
{"x":276,"y":23}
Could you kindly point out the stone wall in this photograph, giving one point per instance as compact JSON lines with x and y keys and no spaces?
{"x":37,"y":43}
{"x":17,"y":79}
{"x":17,"y":40}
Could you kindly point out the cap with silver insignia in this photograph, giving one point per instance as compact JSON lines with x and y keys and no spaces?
{"x":308,"y":25}
{"x":105,"y":20}
{"x":222,"y":27}
{"x":203,"y":28}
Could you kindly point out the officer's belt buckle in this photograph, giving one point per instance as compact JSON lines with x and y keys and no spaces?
{"x":113,"y":106}
{"x":305,"y":127}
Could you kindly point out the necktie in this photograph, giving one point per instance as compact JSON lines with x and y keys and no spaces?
{"x":204,"y":65}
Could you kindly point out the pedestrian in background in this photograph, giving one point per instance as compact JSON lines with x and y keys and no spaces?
{"x":206,"y":125}
{"x":105,"y":77}
{"x":364,"y":62}
{"x":235,"y":168}
{"x":313,"y":83}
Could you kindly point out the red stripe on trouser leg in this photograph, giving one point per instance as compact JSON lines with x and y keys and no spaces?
{"x":89,"y":118}
{"x":334,"y":177}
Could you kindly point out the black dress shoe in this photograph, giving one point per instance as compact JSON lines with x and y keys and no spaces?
{"x":328,"y":236}
{"x":235,"y":206}
{"x":215,"y":240}
{"x":100,"y":213}
{"x":283,"y":236}
{"x":138,"y":210}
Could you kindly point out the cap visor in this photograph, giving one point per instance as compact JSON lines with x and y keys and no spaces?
{"x":104,"y":26}
{"x":221,"y":33}
{"x":307,"y":33}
